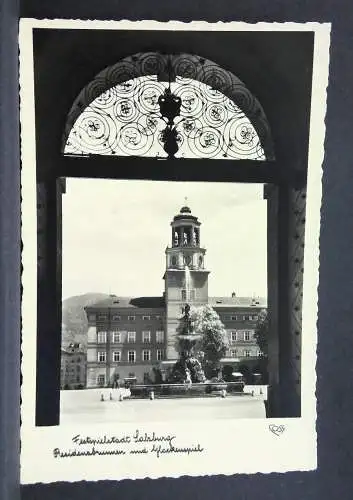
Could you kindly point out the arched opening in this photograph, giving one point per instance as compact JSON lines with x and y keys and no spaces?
{"x":127,"y":120}
{"x":219,"y":116}
{"x":283,"y":175}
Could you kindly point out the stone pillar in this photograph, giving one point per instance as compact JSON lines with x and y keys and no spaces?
{"x":286,"y":231}
{"x":296,"y":224}
{"x":271,"y":193}
{"x":49,"y":243}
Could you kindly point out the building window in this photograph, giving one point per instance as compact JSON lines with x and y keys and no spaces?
{"x":92,"y":317}
{"x":187,"y":295}
{"x":132,"y":356}
{"x":131,"y":337}
{"x":233,"y":353}
{"x":247,"y":335}
{"x":131,"y":318}
{"x":159,"y":336}
{"x":101,"y":380}
{"x":255,"y":318}
{"x":247,"y":353}
{"x":158,"y":318}
{"x":116,"y":317}
{"x":233,"y":318}
{"x":146,"y":337}
{"x":146,"y":318}
{"x":159,"y":354}
{"x":116,"y":356}
{"x":233,"y":337}
{"x":260,"y":354}
{"x":132,"y":375}
{"x":146,"y":355}
{"x":102,"y":317}
{"x":246,"y":318}
{"x":102,"y":356}
{"x":116,"y":337}
{"x":102,"y":337}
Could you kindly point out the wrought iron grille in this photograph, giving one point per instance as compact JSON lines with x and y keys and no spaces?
{"x":129,"y":120}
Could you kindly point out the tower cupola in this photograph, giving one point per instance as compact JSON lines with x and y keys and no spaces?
{"x":185,"y":229}
{"x":185,"y":249}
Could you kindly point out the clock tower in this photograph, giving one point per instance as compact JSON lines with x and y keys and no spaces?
{"x":186,"y":279}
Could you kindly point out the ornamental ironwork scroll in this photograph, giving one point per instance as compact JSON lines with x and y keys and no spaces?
{"x":126,"y":120}
{"x":119,"y":112}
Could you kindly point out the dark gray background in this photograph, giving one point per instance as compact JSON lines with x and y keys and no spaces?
{"x":335,"y":350}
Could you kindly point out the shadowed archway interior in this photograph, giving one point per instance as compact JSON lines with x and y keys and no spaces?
{"x":66,"y":62}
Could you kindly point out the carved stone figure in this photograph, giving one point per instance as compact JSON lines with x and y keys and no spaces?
{"x":194,"y":238}
{"x":188,"y":376}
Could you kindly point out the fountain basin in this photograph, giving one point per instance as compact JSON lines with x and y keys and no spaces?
{"x":199,"y":389}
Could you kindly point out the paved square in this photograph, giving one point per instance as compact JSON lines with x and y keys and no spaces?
{"x":86,"y":407}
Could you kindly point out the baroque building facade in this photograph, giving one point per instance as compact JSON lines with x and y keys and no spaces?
{"x":132,"y":337}
{"x":73,"y":367}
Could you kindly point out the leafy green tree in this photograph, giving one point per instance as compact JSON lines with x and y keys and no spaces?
{"x":261,"y":332}
{"x":214,"y":342}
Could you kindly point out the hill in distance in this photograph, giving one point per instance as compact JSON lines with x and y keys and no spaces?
{"x":74,"y":319}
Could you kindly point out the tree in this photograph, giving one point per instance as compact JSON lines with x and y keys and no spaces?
{"x":213,"y":343}
{"x":261,"y":332}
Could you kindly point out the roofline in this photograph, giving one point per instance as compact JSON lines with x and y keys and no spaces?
{"x":131,"y":308}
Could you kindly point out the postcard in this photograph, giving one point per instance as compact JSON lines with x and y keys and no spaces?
{"x":171,"y":195}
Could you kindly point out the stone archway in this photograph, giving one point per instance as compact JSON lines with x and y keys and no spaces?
{"x":286,"y":206}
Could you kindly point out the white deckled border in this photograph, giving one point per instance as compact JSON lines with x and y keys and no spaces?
{"x":272,"y":453}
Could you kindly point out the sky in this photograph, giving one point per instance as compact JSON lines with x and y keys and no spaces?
{"x":115,"y":233}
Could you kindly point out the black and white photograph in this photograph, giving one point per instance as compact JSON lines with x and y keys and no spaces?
{"x":171,"y":194}
{"x":175,"y":331}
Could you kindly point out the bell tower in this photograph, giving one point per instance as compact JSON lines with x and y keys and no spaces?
{"x":186,"y":278}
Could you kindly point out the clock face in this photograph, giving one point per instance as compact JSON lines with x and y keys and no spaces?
{"x":187,"y":260}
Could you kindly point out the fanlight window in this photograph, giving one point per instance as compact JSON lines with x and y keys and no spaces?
{"x":128,"y":120}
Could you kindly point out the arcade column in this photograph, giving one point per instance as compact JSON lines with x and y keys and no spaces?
{"x":286,"y":231}
{"x":49,"y":282}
